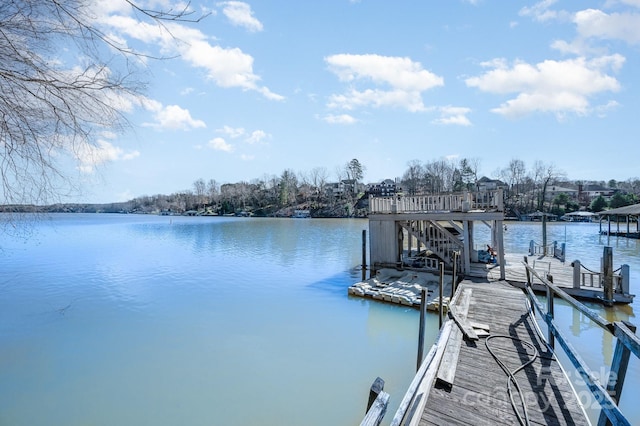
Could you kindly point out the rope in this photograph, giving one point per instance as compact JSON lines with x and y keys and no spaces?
{"x":541,"y":245}
{"x":597,"y":273}
{"x":593,"y":272}
{"x":511,"y":375}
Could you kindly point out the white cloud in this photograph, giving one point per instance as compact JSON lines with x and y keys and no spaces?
{"x":340,"y":119}
{"x":602,"y":110}
{"x":453,"y":115}
{"x":246,"y":157}
{"x":240,"y":14}
{"x":227,"y":67}
{"x":172,"y":117}
{"x":219,"y":144}
{"x":542,"y":11}
{"x":598,"y":24}
{"x":90,"y":156}
{"x":403,"y":81}
{"x":256,"y":136}
{"x":550,"y":86}
{"x":232,"y":132}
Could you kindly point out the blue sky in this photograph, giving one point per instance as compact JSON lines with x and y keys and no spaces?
{"x":262,"y":86}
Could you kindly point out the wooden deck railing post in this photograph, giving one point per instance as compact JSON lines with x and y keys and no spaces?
{"x":618,"y":371}
{"x":423,"y":315}
{"x":544,"y":234}
{"x":377,"y":405}
{"x":376,"y":387}
{"x":526,"y":261}
{"x":576,"y":274}
{"x":550,"y":336}
{"x":624,"y":273}
{"x":454,"y":274}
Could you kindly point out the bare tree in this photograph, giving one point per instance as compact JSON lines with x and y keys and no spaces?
{"x":439,"y":173}
{"x":200,"y":190}
{"x":213,"y":189}
{"x":413,"y":178}
{"x":544,"y":174}
{"x":50,"y":110}
{"x":514,"y":175}
{"x":318,"y":178}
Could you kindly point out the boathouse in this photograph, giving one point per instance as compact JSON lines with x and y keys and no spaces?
{"x":630,"y":213}
{"x":423,"y":230}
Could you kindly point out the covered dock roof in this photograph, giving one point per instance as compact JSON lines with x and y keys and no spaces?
{"x":632,"y":210}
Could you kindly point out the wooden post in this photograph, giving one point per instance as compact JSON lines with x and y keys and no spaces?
{"x":423,"y":315}
{"x":544,"y":234}
{"x":618,"y":371}
{"x":624,"y":273}
{"x":500,"y":245}
{"x":607,"y":272}
{"x":376,"y":387}
{"x":576,"y":274}
{"x":441,"y":295}
{"x":454,"y":278}
{"x":550,"y":337}
{"x":467,"y":233}
{"x":364,"y":254}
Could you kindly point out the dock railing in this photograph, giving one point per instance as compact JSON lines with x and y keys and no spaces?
{"x":585,"y":277}
{"x":539,"y":249}
{"x":488,"y":200}
{"x":627,"y":343}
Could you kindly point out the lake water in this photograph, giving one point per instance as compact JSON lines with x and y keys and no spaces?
{"x":131,"y":319}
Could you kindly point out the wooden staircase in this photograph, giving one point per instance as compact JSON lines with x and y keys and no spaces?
{"x":435,"y":237}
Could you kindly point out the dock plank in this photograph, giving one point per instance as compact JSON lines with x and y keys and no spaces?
{"x":478,"y":393}
{"x":447,"y":369}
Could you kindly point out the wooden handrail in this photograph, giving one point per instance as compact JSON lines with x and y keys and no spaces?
{"x":492,"y":200}
{"x":627,"y":343}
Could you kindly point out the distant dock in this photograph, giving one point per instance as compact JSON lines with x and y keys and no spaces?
{"x":574,"y":278}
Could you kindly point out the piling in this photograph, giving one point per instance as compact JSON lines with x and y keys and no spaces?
{"x":607,"y":272}
{"x":423,"y":317}
{"x":364,"y":254}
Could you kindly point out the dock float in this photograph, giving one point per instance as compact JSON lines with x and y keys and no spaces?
{"x":500,"y":373}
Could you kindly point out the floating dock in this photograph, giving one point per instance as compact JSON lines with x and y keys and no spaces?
{"x":403,"y":287}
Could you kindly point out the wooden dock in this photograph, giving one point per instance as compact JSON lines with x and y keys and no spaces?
{"x":464,"y":384}
{"x":590,"y":287}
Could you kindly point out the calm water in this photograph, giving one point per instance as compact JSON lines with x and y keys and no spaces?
{"x":127,"y":319}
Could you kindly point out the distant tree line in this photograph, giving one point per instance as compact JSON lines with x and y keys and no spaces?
{"x":526,"y":189}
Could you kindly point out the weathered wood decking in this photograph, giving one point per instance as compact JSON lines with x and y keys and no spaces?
{"x":478,"y":393}
{"x":562,"y":272}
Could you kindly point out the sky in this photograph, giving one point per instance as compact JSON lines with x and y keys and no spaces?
{"x":259,"y":87}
